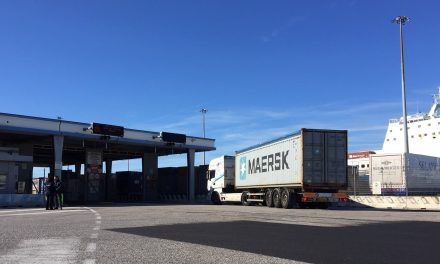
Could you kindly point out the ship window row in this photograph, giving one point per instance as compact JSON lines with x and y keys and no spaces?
{"x":420,"y":135}
{"x":419,"y":126}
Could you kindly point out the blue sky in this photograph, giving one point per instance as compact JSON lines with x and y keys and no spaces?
{"x":262,"y":68}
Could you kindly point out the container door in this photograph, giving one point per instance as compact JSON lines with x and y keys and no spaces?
{"x":314,"y":171}
{"x":336,"y":162}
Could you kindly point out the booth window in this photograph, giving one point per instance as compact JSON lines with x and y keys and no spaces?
{"x":3,"y":178}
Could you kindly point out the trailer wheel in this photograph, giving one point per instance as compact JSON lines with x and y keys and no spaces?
{"x":276,"y":198}
{"x":268,"y":198}
{"x":244,"y":197}
{"x":286,"y":199}
{"x":215,"y":198}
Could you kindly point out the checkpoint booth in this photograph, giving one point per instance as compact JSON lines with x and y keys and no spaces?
{"x":90,"y":148}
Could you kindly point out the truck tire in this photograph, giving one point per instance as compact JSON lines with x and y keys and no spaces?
{"x":244,"y":200}
{"x":276,"y":198}
{"x":215,"y":198}
{"x":286,"y":198}
{"x":268,"y":198}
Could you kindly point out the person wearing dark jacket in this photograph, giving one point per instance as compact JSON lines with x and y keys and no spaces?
{"x":58,"y":193}
{"x":50,"y":193}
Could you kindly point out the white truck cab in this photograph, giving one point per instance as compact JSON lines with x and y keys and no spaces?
{"x":221,"y":173}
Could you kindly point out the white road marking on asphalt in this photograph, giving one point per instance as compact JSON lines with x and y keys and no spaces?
{"x":88,"y":208}
{"x":35,"y":209}
{"x":21,"y":210}
{"x":43,"y":250}
{"x":44,"y":212}
{"x":91,"y":247}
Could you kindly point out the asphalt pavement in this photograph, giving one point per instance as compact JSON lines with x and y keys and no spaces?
{"x":157,"y":233}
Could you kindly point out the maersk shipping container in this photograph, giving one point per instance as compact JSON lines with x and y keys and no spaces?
{"x":390,"y":171}
{"x":313,"y":159}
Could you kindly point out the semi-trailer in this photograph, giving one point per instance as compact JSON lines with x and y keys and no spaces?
{"x":303,"y":169}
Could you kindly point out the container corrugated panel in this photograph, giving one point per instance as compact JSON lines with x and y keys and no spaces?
{"x":175,"y":180}
{"x":201,"y":180}
{"x":422,"y":172}
{"x":122,"y":180}
{"x":166,"y":183}
{"x":266,"y":165}
{"x":182,"y":175}
{"x":313,"y":157}
{"x":135,"y":183}
{"x":387,"y":169}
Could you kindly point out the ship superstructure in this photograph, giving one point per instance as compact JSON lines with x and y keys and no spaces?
{"x":423,"y":132}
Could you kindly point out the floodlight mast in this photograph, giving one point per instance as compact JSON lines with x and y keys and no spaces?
{"x":401,"y":20}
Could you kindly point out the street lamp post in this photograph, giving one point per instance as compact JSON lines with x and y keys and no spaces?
{"x":401,"y":20}
{"x":203,"y":111}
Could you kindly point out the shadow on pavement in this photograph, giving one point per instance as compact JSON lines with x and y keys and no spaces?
{"x":393,"y":242}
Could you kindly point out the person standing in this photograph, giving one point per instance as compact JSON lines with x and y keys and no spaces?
{"x":59,"y":189}
{"x":50,"y":192}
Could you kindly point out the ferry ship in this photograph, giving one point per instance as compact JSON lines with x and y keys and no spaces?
{"x":423,"y":138}
{"x":423,"y":132}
